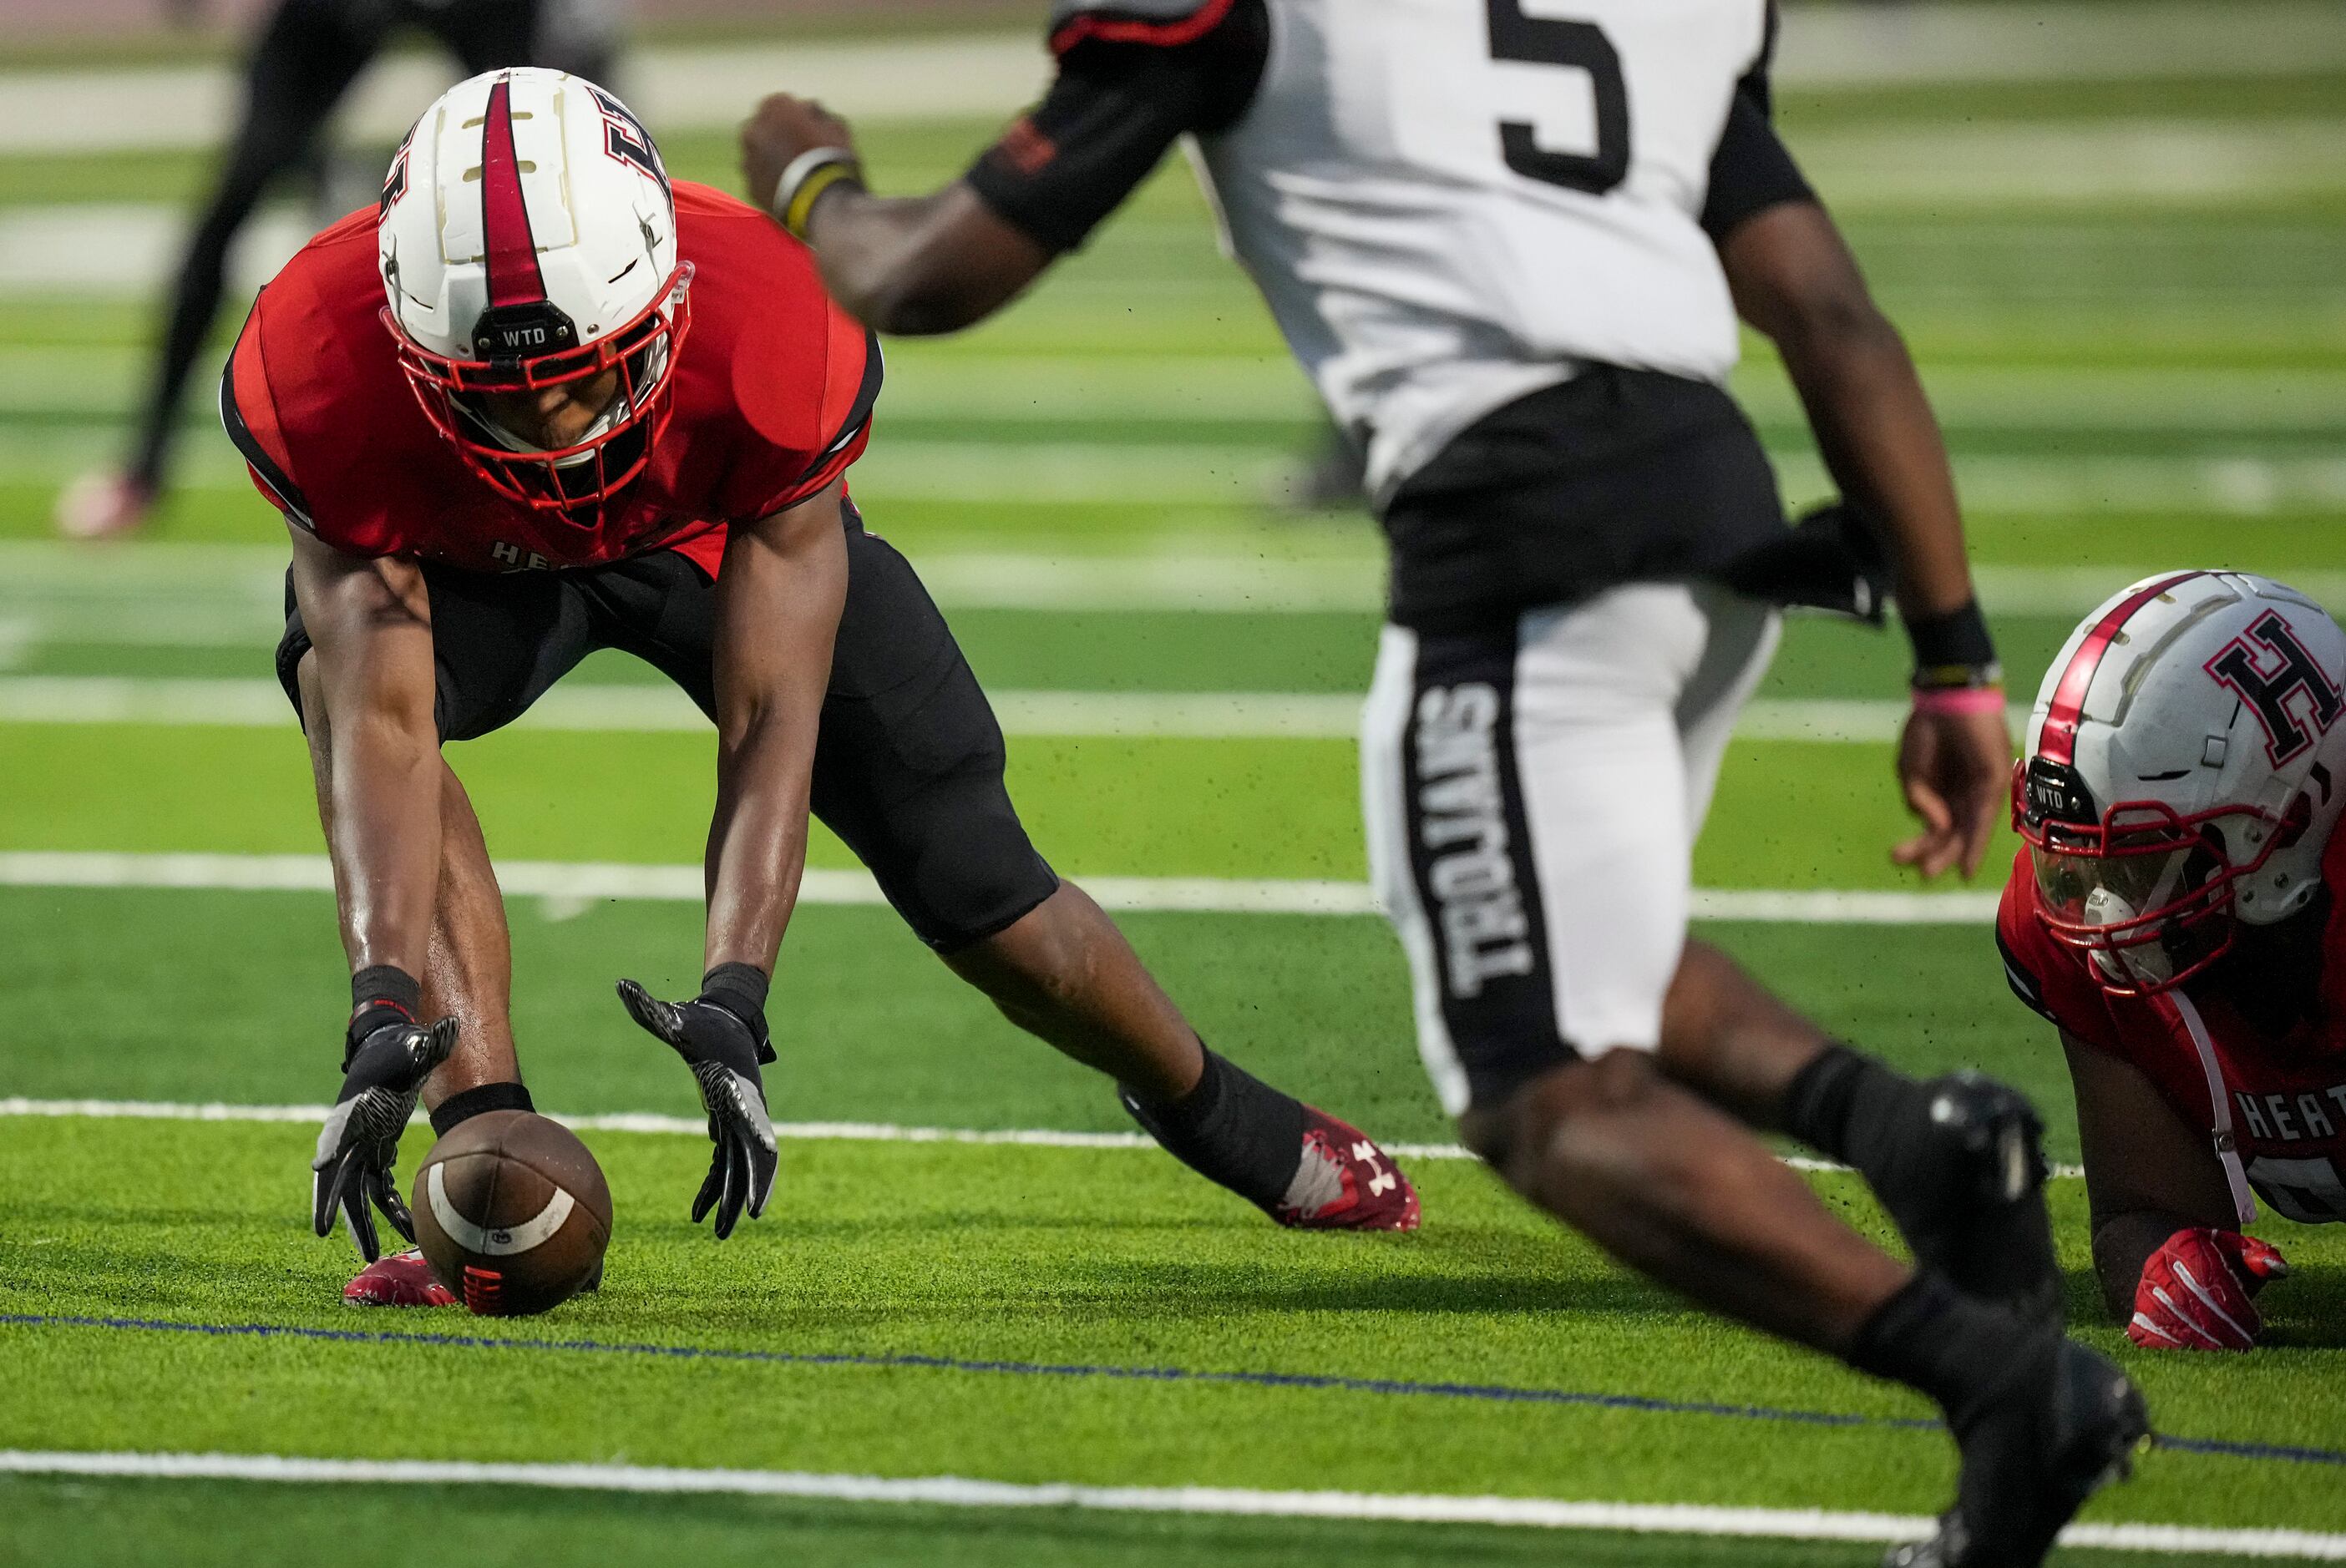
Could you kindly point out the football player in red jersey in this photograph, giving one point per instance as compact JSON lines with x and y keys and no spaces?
{"x":2177,"y":916}
{"x":543,"y":402}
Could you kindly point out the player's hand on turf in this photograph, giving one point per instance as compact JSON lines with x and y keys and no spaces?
{"x":724,"y":1054}
{"x":2199,"y":1292}
{"x":1955,"y":770}
{"x":384,"y":1069}
{"x":782,"y":130}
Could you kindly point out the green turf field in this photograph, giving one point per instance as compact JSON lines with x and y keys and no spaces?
{"x":2135,"y":373}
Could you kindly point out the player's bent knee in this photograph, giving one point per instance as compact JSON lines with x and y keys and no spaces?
{"x":1516,"y":1137}
{"x":312,"y":687}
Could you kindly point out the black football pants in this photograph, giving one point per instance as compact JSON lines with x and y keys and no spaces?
{"x":908,"y":768}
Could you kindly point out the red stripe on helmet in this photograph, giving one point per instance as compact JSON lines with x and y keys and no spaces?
{"x":508,"y":248}
{"x":2057,"y":741}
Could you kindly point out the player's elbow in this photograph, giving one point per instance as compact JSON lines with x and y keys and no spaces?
{"x":919,"y":303}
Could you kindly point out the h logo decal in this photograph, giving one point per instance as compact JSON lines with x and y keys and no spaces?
{"x":2294,"y":698}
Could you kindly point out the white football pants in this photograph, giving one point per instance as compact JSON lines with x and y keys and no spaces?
{"x":1533,"y":796}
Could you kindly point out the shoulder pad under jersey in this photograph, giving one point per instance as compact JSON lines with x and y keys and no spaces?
{"x":1164,"y":22}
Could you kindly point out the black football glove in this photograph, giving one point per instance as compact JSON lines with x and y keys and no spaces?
{"x":383,"y":1072}
{"x":724,"y":1054}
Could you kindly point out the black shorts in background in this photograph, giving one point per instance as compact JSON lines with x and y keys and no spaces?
{"x":1615,"y":476}
{"x":908,"y":767}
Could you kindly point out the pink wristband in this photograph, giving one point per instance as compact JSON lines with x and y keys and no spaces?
{"x":1959,"y":699}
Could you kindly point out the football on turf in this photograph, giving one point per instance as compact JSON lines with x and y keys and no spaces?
{"x":512,"y":1213}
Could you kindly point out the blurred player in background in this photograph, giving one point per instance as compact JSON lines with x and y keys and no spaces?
{"x":602,"y":411}
{"x":307,"y":54}
{"x":1511,"y":250}
{"x":2177,"y":916}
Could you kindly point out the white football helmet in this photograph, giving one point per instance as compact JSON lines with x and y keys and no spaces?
{"x":527,"y":238}
{"x":2184,"y":770}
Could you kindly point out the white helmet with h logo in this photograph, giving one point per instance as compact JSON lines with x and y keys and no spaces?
{"x":527,"y":240}
{"x":2186,"y":765}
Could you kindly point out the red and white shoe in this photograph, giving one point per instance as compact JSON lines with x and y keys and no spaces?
{"x":1345,"y":1183}
{"x":398,"y":1279}
{"x":104,"y":506}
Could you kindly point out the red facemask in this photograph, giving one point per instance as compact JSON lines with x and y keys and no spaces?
{"x":583,"y":475}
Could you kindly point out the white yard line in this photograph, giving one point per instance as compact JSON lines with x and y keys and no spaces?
{"x":656,"y":710}
{"x":573,"y":885}
{"x":232,"y":595}
{"x":99,"y":382}
{"x":698,"y":1126}
{"x":958,"y":1491}
{"x":1216,"y":476}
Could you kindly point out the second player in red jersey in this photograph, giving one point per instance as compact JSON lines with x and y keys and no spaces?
{"x":2177,"y":916}
{"x":540,"y":403}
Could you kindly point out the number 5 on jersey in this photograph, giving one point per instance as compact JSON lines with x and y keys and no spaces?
{"x":1574,"y":45}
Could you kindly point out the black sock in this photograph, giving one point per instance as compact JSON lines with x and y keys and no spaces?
{"x":1935,"y":1339}
{"x":1232,"y":1128}
{"x":464,"y":1105}
{"x":1852,"y":1108}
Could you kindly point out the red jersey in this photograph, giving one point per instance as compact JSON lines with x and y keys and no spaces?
{"x":773,"y":394}
{"x":2277,"y":1090}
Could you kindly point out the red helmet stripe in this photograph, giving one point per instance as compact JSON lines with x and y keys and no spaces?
{"x":508,"y":248}
{"x":2057,"y":741}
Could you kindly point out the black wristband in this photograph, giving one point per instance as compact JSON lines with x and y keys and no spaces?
{"x":1954,"y":650}
{"x":740,"y":990}
{"x":463,"y":1107}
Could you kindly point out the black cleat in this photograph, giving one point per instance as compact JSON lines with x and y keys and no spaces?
{"x":2066,"y":1422}
{"x":1987,"y":1229}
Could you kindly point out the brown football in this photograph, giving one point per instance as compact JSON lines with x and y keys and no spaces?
{"x":513,"y":1213}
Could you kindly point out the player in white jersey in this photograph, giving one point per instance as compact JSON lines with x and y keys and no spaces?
{"x":1511,"y":247}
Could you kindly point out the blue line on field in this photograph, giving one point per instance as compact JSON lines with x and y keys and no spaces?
{"x":1494,"y":1392}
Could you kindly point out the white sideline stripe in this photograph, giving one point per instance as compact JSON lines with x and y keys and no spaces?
{"x":571,"y":884}
{"x":259,"y":702}
{"x":693,"y":1127}
{"x":958,"y":1491}
{"x":233,"y":595}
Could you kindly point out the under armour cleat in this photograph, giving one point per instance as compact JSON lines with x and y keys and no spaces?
{"x":1989,"y":1232}
{"x":104,"y":506}
{"x":398,"y":1279}
{"x":2067,"y":1422}
{"x":1345,"y":1182}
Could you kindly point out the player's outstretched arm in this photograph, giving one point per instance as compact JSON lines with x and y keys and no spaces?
{"x":374,"y":745}
{"x":778,"y":595}
{"x":910,"y":265}
{"x":2152,"y":1179}
{"x":1795,"y":280}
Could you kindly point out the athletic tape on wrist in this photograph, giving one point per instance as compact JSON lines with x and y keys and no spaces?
{"x":740,"y":988}
{"x":1955,"y":649}
{"x":807,"y":176}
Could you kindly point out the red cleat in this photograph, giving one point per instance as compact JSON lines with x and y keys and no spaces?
{"x":1345,"y":1183}
{"x":398,"y":1279}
